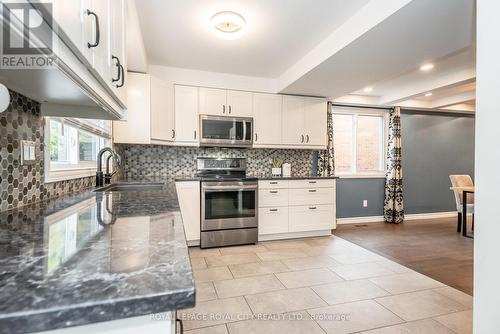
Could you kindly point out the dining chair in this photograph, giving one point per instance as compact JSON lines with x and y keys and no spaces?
{"x":463,"y":181}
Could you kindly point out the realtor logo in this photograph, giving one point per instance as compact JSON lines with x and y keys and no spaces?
{"x":26,"y":37}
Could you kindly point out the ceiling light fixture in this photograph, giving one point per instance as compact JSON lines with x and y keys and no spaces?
{"x":428,"y":94}
{"x":228,"y":25}
{"x":367,"y":89}
{"x":427,"y":67}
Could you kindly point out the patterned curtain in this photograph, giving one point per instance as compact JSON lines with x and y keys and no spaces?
{"x":326,"y":164}
{"x":393,"y":204}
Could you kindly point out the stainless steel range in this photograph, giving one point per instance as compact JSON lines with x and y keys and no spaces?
{"x":228,"y":203}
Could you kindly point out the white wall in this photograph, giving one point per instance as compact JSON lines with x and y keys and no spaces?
{"x":487,"y":231}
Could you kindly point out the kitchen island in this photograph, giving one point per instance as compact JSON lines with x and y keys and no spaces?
{"x":95,"y":257}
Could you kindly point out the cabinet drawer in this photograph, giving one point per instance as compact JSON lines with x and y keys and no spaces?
{"x":311,"y":218}
{"x":273,"y":220}
{"x":312,"y":183}
{"x":273,"y":197}
{"x":310,"y":196}
{"x":273,"y":184}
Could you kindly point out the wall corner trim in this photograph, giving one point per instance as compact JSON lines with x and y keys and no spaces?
{"x":380,"y":219}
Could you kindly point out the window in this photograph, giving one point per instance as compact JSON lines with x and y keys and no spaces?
{"x":359,"y":141}
{"x":72,"y":146}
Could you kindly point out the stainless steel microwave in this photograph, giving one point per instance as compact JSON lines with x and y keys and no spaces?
{"x":223,"y":131}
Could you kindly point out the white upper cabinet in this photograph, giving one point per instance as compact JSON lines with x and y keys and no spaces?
{"x":222,"y":102}
{"x":70,"y":18}
{"x":267,"y":118}
{"x":213,"y":101}
{"x":293,"y":120}
{"x":239,"y":103}
{"x":99,"y":16}
{"x":118,"y":53}
{"x":315,"y":121}
{"x":304,"y":122}
{"x":186,"y":114}
{"x":162,"y":114}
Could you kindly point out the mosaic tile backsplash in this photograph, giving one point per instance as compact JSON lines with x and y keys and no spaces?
{"x":158,"y":162}
{"x":24,"y":184}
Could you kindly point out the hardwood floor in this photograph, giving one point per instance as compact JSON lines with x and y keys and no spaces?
{"x":431,"y":247}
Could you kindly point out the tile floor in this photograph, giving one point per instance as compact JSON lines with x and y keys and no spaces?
{"x":317,"y":285}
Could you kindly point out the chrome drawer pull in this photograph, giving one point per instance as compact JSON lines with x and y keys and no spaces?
{"x":312,"y":182}
{"x":273,"y":182}
{"x":273,"y":210}
{"x":312,"y":190}
{"x":273,"y":191}
{"x":312,"y":208}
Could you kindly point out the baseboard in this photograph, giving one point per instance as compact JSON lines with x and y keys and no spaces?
{"x":294,"y":235}
{"x":380,"y":219}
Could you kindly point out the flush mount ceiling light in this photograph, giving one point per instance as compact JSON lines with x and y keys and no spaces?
{"x":367,"y":89}
{"x":428,"y":94}
{"x":426,"y":67}
{"x":228,"y":25}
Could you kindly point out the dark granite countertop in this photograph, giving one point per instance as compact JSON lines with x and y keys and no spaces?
{"x":61,"y":265}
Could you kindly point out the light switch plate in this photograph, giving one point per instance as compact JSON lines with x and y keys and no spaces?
{"x":28,"y":155}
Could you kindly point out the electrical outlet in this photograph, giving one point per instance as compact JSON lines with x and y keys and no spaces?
{"x":365,"y":203}
{"x":28,"y":156}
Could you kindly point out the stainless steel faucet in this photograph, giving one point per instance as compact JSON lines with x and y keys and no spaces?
{"x":100,"y":178}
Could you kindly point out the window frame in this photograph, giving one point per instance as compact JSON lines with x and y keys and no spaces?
{"x":55,"y":172}
{"x":365,"y":111}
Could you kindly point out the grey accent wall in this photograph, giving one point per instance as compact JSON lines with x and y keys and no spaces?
{"x":434,"y":146}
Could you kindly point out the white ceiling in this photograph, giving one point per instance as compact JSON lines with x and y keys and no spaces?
{"x":278,"y":33}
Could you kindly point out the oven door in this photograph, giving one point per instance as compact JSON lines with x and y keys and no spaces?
{"x":228,"y":205}
{"x":226,"y":131}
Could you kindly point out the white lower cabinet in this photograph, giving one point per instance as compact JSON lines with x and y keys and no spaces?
{"x":188,"y":194}
{"x":291,"y":208}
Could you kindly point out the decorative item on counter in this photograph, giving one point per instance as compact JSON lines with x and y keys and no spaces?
{"x":286,"y":169}
{"x":276,"y":170}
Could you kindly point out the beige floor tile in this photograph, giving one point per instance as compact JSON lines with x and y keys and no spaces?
{"x":284,"y":301}
{"x":456,"y":295}
{"x":242,"y":249}
{"x":247,"y":286}
{"x":426,"y":326}
{"x":460,"y":322}
{"x":354,"y":317}
{"x":205,"y":291}
{"x":195,"y":252}
{"x":212,"y":274}
{"x":215,"y":312}
{"x":198,"y":263}
{"x":257,"y":268}
{"x":349,"y":291}
{"x":402,"y":283}
{"x":220,"y":329}
{"x":281,"y":254}
{"x":321,"y":261}
{"x":362,"y":270}
{"x":302,"y":278}
{"x":355,"y":256}
{"x":419,"y":305}
{"x":224,"y":260}
{"x":290,"y":323}
{"x":285,"y":244}
{"x":325,"y":241}
{"x":396,"y":267}
{"x":326,"y":250}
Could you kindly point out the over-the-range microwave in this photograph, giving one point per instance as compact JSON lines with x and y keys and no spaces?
{"x":226,"y":131}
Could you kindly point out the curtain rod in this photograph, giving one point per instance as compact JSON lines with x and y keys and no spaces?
{"x":360,"y":106}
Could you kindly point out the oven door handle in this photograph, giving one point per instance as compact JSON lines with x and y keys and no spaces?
{"x":225,"y":188}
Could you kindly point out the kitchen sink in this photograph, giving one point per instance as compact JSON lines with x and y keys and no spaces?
{"x":131,"y":187}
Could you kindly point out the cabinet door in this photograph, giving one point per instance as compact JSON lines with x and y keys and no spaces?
{"x":69,"y":16}
{"x":273,"y":220}
{"x":239,"y":103}
{"x":162,"y":113}
{"x":137,"y":128}
{"x":311,"y":196}
{"x":267,"y":118}
{"x":118,"y":74}
{"x":315,"y":122}
{"x":273,"y":197}
{"x":188,"y":194}
{"x":213,"y":102}
{"x":99,"y":26}
{"x":186,"y":114}
{"x":312,"y":218}
{"x":293,"y":120}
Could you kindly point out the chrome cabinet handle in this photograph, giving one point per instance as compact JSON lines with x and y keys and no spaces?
{"x":229,"y":109}
{"x":97,"y":30}
{"x":256,"y":137}
{"x":274,"y":182}
{"x":118,"y":64}
{"x":312,"y":208}
{"x":312,"y":190}
{"x":307,"y":138}
{"x":173,"y":133}
{"x":312,"y":182}
{"x":223,"y":109}
{"x":273,"y":210}
{"x":301,"y":138}
{"x":194,"y":134}
{"x":273,"y":191}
